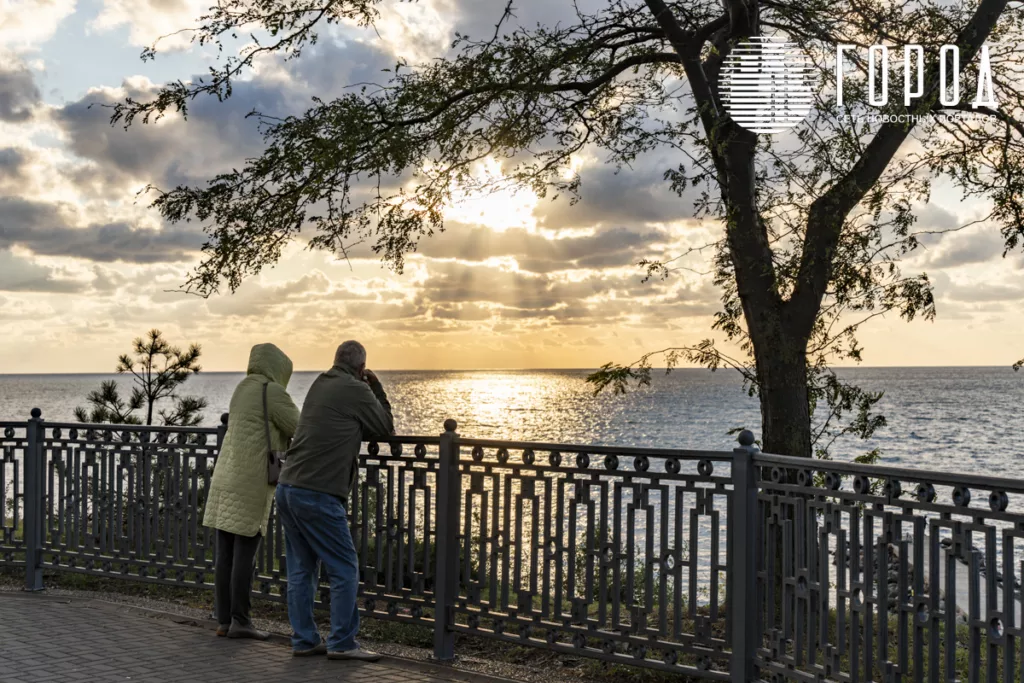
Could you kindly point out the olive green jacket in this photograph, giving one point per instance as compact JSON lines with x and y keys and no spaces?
{"x":340,"y":411}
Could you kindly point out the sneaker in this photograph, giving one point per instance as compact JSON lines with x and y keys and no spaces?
{"x":223,"y":629}
{"x":249,"y":632}
{"x":320,"y":649}
{"x":356,"y":655}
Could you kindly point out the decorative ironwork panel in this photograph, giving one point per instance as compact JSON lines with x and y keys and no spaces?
{"x":394,"y":528}
{"x":127,"y":500}
{"x":615,"y":554}
{"x":13,"y":445}
{"x":888,"y":574}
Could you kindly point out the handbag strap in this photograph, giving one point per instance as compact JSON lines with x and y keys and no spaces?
{"x":266,"y":422}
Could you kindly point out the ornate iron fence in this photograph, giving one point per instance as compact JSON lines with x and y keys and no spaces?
{"x":719,"y":565}
{"x":885,"y":573}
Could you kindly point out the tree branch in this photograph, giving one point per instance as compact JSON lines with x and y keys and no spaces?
{"x":828,"y":213}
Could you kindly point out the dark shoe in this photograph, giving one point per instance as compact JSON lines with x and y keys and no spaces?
{"x":356,"y":655}
{"x":320,"y":649}
{"x":249,"y":632}
{"x":222,"y":630}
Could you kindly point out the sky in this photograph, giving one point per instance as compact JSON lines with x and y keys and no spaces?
{"x":513,"y":282}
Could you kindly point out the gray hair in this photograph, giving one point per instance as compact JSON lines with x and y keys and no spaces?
{"x":350,"y":353}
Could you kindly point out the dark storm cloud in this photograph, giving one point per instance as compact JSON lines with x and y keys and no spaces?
{"x":606,"y":248}
{"x":45,"y":230}
{"x":18,"y":94}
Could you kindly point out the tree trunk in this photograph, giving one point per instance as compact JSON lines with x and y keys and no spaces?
{"x":785,"y":413}
{"x":781,"y":359}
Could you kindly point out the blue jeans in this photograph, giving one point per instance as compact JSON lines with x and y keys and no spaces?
{"x":316,"y":530}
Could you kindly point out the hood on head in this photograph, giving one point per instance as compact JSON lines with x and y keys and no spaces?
{"x":271,"y":362}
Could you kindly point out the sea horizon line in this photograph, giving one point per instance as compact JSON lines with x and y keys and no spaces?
{"x":535,"y":369}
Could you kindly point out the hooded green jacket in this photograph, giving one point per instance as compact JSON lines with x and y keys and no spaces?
{"x":239,"y":499}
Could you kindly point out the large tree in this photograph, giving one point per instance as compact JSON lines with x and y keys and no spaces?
{"x":814,"y":222}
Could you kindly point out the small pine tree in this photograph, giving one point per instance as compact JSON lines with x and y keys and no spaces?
{"x":158,"y":370}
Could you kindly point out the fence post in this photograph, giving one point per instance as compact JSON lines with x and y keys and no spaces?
{"x":745,"y":535}
{"x":447,"y":513}
{"x":222,"y":429}
{"x":35,"y":467}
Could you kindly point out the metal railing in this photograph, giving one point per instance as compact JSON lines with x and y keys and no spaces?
{"x":719,"y":565}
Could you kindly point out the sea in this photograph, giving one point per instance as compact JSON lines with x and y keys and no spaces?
{"x":955,"y":419}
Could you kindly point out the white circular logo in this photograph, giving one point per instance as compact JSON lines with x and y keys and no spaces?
{"x":767,"y":85}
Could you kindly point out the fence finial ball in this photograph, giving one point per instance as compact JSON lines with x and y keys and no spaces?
{"x":450,"y":425}
{"x":746,"y":438}
{"x":223,"y":418}
{"x":36,"y":413}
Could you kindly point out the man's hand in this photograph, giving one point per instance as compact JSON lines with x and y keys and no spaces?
{"x":369,"y":377}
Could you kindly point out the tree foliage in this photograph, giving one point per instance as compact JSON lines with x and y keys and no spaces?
{"x":816,"y":223}
{"x":158,"y":369}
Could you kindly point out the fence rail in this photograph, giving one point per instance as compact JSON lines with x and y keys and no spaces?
{"x":718,"y":565}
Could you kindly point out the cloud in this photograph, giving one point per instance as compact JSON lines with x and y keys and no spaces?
{"x":536,"y":253}
{"x":984,"y":292}
{"x":934,"y":217}
{"x":26,"y":24}
{"x":600,"y":296}
{"x":463,"y":312}
{"x":21,"y":275}
{"x":19,"y":95}
{"x":46,"y":229}
{"x":12,"y":165}
{"x":216,"y":136}
{"x":149,"y":20}
{"x":417,"y":32}
{"x":313,"y":294}
{"x":633,"y":196}
{"x":964,"y":248}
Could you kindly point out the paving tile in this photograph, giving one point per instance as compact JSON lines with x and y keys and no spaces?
{"x":48,"y":640}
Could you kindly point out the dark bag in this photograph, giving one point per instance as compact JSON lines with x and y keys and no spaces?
{"x":275,"y":459}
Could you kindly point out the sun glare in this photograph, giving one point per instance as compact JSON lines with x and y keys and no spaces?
{"x":499,"y":209}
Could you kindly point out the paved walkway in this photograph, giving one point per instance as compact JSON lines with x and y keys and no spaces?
{"x":59,"y":639}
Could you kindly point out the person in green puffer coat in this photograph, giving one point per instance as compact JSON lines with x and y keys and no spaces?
{"x":239,"y":500}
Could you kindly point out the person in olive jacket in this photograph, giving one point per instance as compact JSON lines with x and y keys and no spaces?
{"x":344,"y":406}
{"x":239,"y":500}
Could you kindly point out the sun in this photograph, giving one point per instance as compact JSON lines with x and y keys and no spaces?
{"x":499,"y":209}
